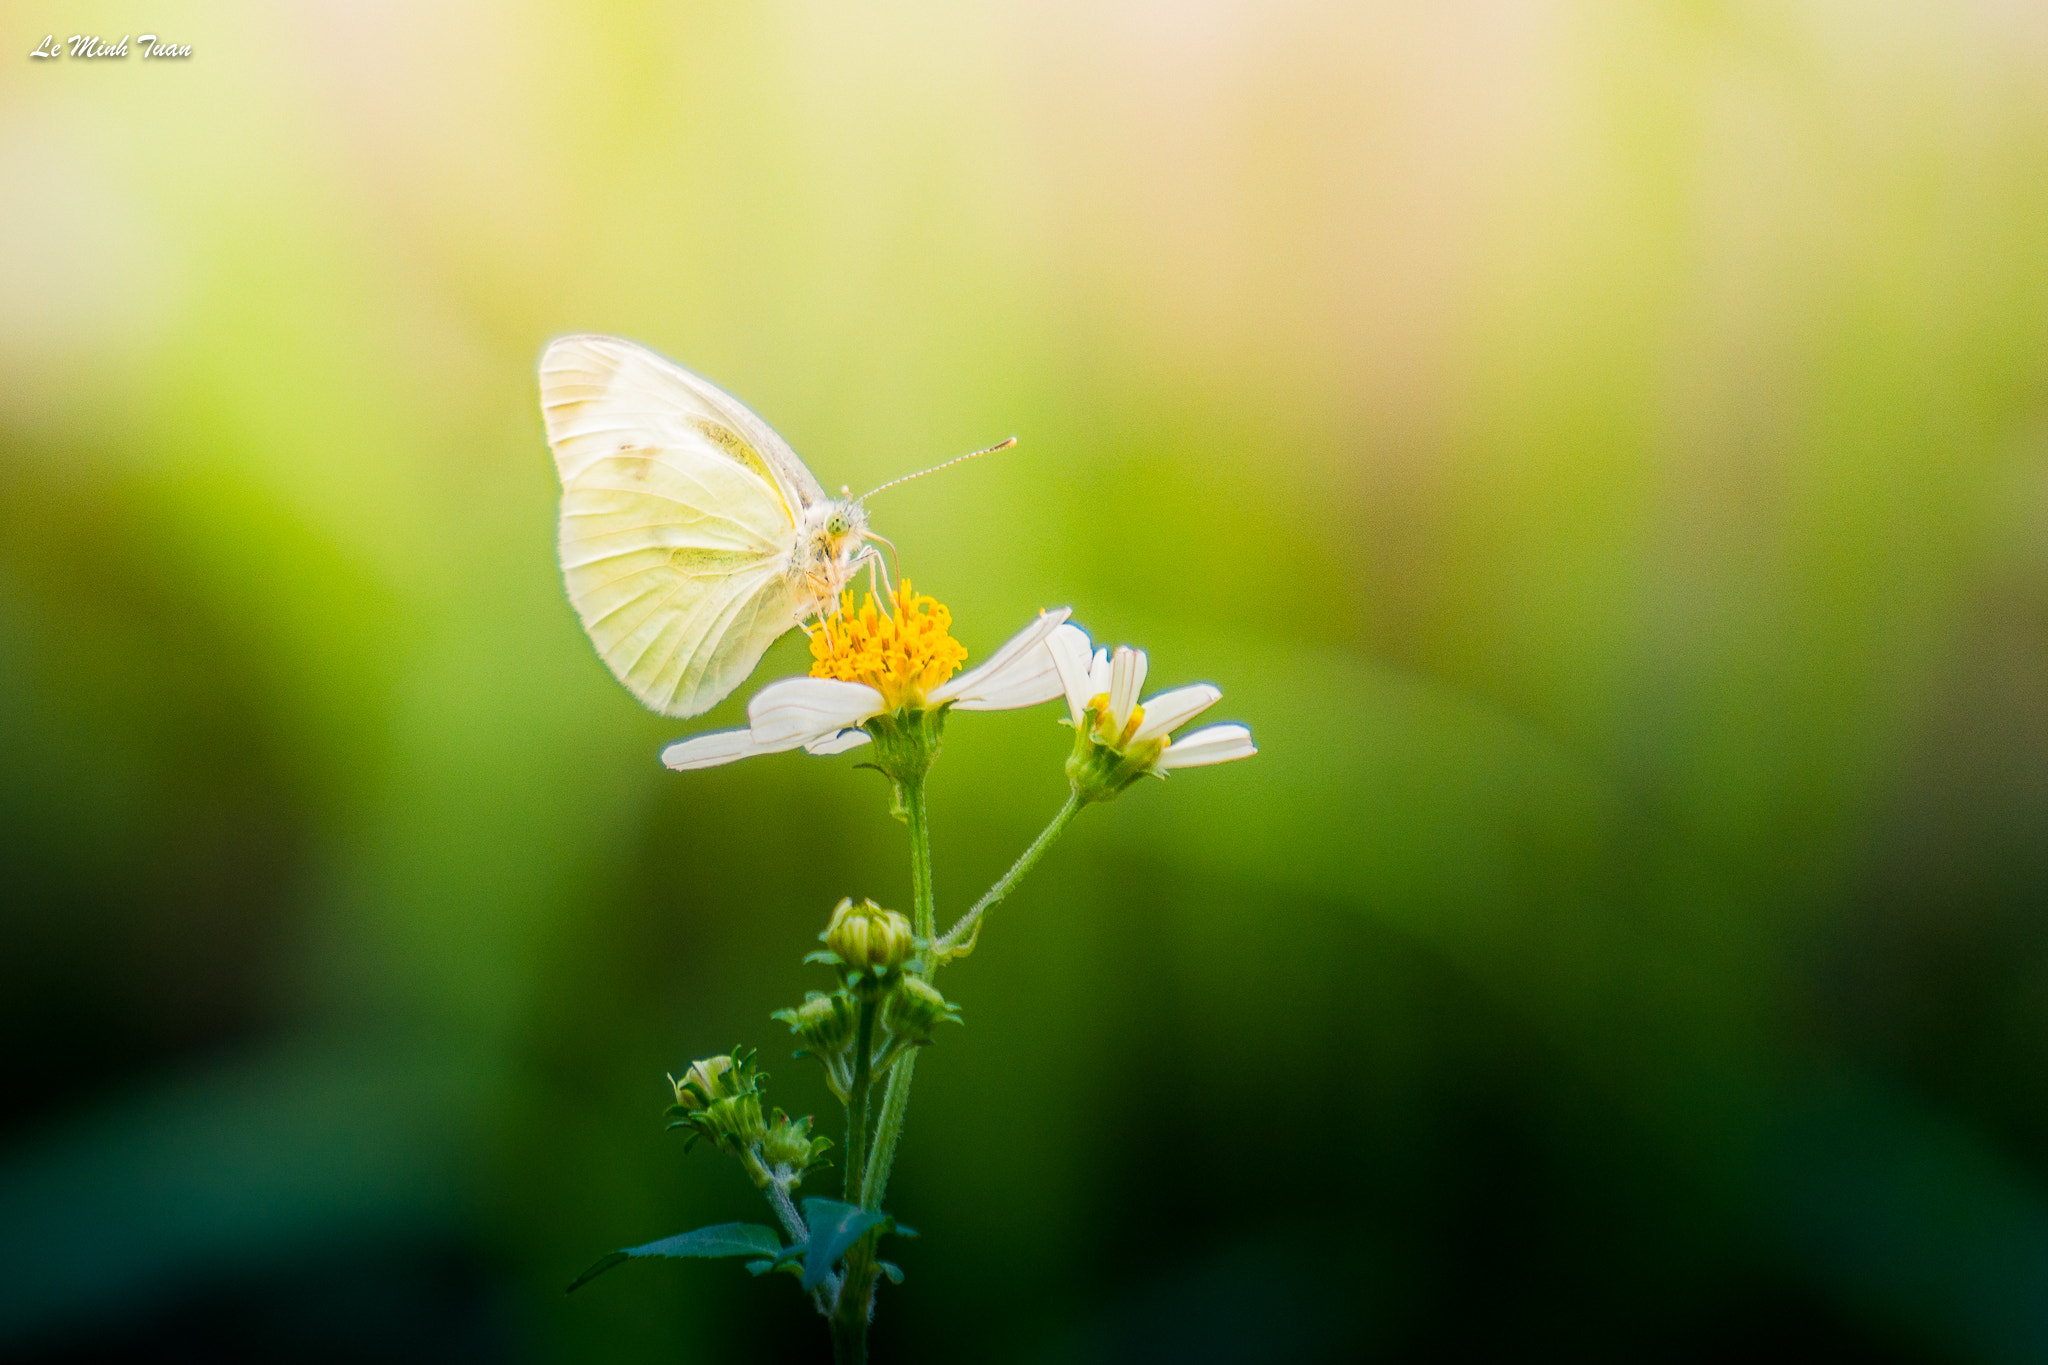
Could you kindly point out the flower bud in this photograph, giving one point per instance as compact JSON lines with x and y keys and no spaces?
{"x":720,"y":1098}
{"x":789,"y":1150}
{"x":826,"y":1023}
{"x":708,"y":1079}
{"x":870,"y":944}
{"x":915,"y":1009}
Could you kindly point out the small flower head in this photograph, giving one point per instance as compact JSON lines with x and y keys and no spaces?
{"x":706,"y":1081}
{"x":719,"y":1098}
{"x":824,"y":1022}
{"x":1117,"y":739}
{"x":789,"y":1151}
{"x":827,"y":1024}
{"x":885,"y":678}
{"x":904,"y":652}
{"x":916,"y":1009}
{"x":869,"y":945}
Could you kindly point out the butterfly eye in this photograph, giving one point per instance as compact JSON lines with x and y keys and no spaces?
{"x":835,"y":525}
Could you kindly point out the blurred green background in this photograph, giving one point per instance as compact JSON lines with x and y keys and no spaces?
{"x":1600,"y":448}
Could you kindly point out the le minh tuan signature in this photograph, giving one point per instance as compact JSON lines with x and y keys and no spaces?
{"x":86,"y":47}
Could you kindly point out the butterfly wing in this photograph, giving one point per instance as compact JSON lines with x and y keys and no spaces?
{"x":679,"y":516}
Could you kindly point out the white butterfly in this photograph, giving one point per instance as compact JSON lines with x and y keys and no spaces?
{"x":692,"y":536}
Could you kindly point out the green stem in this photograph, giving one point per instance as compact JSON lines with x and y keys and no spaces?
{"x":970,"y":921}
{"x":785,"y":1209}
{"x":924,"y":910}
{"x":925,"y":915}
{"x":895,"y":1100}
{"x":857,"y":1105}
{"x":850,"y":1338}
{"x":799,"y":1233}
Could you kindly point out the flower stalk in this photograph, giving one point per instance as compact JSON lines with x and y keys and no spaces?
{"x":857,"y":1103}
{"x":960,"y":939}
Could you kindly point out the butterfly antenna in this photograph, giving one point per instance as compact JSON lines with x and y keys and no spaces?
{"x":1003,"y":444}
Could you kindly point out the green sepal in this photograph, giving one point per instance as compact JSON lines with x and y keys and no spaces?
{"x":722,"y":1239}
{"x":892,"y":1270}
{"x":1101,"y":771}
{"x":824,"y":955}
{"x":906,"y":742}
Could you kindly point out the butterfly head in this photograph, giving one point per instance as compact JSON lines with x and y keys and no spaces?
{"x":844,"y":521}
{"x":831,"y":542}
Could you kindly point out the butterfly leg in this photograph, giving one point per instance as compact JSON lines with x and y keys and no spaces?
{"x":876,"y":537}
{"x":876,"y":568}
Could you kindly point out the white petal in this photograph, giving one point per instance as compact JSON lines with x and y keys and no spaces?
{"x":1169,"y":711}
{"x":1042,"y":686}
{"x":1216,"y":744}
{"x":837,"y":744}
{"x":1098,"y":674}
{"x":1021,"y":673}
{"x":1069,"y":649}
{"x":1126,"y":676}
{"x":720,"y":746}
{"x":799,"y":710}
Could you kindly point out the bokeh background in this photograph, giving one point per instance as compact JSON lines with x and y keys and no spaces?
{"x":1600,"y":447}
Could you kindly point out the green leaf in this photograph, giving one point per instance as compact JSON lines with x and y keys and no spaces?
{"x":892,"y":1270}
{"x":835,"y":1226}
{"x":723,"y":1239}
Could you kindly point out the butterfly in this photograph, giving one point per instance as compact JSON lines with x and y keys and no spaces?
{"x":692,"y":536}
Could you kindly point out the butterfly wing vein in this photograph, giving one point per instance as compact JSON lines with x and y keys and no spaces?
{"x":679,"y":511}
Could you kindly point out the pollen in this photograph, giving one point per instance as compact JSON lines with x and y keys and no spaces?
{"x":903,"y":651}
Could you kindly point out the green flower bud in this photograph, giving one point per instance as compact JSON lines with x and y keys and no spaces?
{"x":707,"y":1080}
{"x":826,"y":1023}
{"x":789,"y":1150}
{"x":719,"y":1098}
{"x":869,"y":945}
{"x":915,"y":1009}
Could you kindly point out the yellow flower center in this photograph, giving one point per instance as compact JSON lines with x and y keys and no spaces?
{"x":1106,"y":729}
{"x":902,"y":653}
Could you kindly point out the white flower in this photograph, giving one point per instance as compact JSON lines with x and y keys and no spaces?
{"x":824,"y":715}
{"x":1102,"y":696}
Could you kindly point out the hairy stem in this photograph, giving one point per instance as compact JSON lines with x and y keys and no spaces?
{"x":799,"y":1233}
{"x":896,"y":1097}
{"x":785,"y":1209}
{"x":924,"y":910}
{"x":895,"y":1100}
{"x":963,"y":931}
{"x":849,"y":1338}
{"x":857,"y":1105}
